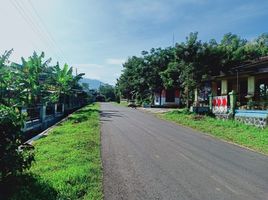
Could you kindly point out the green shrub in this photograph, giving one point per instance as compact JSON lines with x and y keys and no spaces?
{"x":12,"y":159}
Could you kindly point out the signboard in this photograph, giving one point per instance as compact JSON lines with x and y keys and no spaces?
{"x":219,"y":104}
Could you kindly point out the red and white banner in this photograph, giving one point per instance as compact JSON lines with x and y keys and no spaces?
{"x":219,"y":104}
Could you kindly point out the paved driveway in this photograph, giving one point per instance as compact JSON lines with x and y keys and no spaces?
{"x":148,"y":158}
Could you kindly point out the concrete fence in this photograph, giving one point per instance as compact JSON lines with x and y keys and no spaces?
{"x":43,"y":116}
{"x":224,"y":107}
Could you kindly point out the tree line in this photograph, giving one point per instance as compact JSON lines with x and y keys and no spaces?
{"x":185,"y":65}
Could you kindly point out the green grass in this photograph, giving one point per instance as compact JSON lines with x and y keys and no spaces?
{"x":229,"y":130}
{"x":68,"y":162}
{"x":122,"y":103}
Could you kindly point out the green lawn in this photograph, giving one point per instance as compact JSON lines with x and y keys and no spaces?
{"x":68,"y":162}
{"x":228,"y":130}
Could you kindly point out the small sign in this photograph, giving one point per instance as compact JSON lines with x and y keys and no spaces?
{"x":219,"y":104}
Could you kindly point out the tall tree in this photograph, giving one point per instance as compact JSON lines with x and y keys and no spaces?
{"x":108,"y":91}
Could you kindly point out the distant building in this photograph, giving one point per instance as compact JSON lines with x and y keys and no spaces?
{"x":167,"y":98}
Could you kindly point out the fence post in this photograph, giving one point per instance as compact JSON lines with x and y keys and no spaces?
{"x":233,"y":98}
{"x":55,"y":109}
{"x":43,"y":116}
{"x":63,"y":108}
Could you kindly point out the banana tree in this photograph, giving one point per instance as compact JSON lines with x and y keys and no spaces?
{"x":64,"y":81}
{"x":34,"y":79}
{"x":9,"y":81}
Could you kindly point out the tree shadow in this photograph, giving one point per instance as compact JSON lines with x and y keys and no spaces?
{"x":109,"y":114}
{"x":26,"y":187}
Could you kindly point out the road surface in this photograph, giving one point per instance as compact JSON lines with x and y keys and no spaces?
{"x":148,"y":158}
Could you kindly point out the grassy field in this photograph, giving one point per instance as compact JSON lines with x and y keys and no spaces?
{"x":68,"y":162}
{"x":228,"y":130}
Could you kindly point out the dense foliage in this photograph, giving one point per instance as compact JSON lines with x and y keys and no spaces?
{"x":12,"y":160}
{"x":186,"y":65}
{"x":31,"y":83}
{"x":108,"y":91}
{"x":35,"y":81}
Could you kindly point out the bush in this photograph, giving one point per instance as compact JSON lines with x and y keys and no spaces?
{"x":12,"y":159}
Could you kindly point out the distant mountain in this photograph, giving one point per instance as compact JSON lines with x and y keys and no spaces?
{"x":93,"y":83}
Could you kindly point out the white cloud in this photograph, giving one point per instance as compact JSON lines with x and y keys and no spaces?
{"x":115,"y":61}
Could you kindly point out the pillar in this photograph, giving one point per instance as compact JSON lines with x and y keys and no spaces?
{"x":163,"y":97}
{"x":55,"y":109}
{"x":233,"y":99}
{"x":43,"y":113}
{"x":224,"y":89}
{"x":195,"y":95}
{"x":43,"y":116}
{"x":251,"y":85}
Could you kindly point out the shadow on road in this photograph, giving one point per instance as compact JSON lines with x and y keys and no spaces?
{"x":106,"y":115}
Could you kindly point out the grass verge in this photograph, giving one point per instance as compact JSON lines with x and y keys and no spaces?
{"x":68,"y":162}
{"x":229,"y":130}
{"x":122,"y":103}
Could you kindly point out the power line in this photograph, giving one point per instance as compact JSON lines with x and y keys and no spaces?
{"x":29,"y":20}
{"x":38,"y":28}
{"x":15,"y":6}
{"x":50,"y":36}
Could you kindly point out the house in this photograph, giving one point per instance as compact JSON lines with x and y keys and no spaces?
{"x":167,"y":98}
{"x":249,"y":81}
{"x":246,"y":87}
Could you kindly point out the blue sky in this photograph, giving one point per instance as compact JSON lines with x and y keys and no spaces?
{"x":97,"y":36}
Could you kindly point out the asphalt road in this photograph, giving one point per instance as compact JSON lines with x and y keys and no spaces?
{"x":148,"y":158}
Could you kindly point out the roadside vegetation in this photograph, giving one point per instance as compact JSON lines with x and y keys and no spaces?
{"x":26,"y":86}
{"x":121,"y":103}
{"x":35,"y":81}
{"x":229,"y":130}
{"x":185,"y":66}
{"x":108,"y":92}
{"x":67,"y":162}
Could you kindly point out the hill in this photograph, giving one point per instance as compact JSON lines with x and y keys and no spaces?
{"x":93,"y":83}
